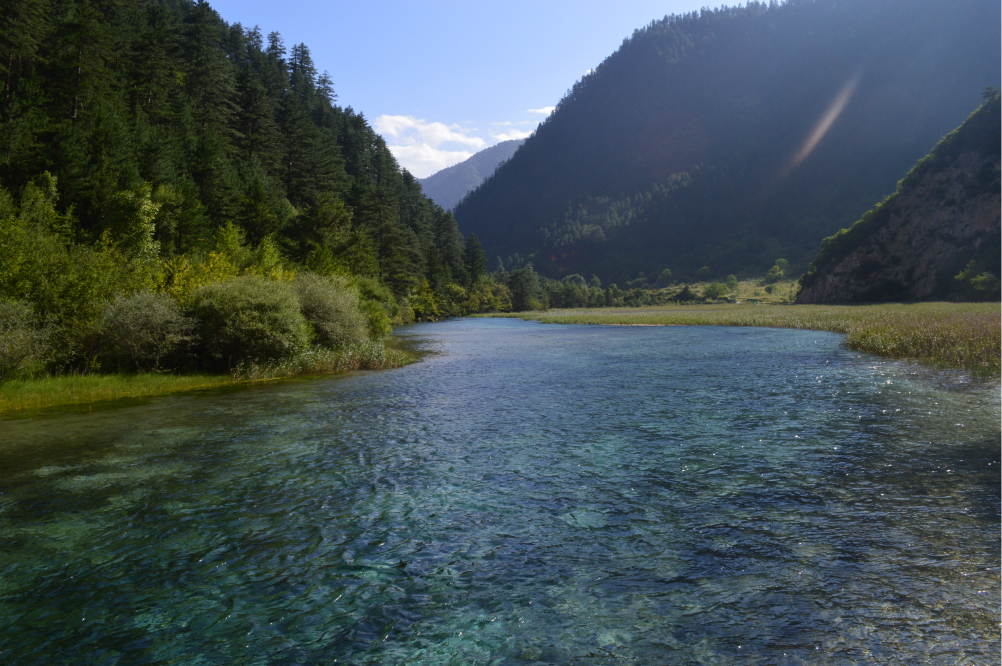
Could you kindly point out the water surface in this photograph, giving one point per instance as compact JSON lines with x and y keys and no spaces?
{"x":524,"y":494}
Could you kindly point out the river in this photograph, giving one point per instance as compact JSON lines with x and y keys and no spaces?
{"x":525,"y":493}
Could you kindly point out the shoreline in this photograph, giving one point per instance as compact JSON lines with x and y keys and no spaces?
{"x":964,"y":336}
{"x":25,"y":398}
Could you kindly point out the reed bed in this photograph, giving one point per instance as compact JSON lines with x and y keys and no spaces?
{"x":26,"y":395}
{"x":955,"y":335}
{"x":19,"y":395}
{"x":323,"y":361}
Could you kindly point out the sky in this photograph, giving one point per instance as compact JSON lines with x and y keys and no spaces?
{"x":441,"y":80}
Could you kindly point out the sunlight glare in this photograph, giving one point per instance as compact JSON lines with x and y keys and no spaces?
{"x":827,"y":120}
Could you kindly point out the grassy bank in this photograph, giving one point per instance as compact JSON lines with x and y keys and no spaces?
{"x":955,"y":335}
{"x":24,"y":395}
{"x":753,"y":290}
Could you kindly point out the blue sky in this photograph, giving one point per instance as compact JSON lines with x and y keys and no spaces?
{"x":441,"y":80}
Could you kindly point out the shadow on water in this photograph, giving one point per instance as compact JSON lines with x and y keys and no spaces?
{"x":525,"y":494}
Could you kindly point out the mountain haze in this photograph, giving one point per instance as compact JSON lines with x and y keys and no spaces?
{"x":731,"y":137}
{"x":449,"y":185}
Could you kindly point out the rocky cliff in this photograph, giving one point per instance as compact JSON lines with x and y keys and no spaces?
{"x":936,"y":237}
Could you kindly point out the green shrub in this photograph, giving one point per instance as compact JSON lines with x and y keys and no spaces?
{"x":986,"y":287}
{"x":371,"y":289}
{"x":686,"y":295}
{"x":977,"y":283}
{"x":714,"y":290}
{"x":24,"y":341}
{"x":373,"y":293}
{"x":249,"y":318}
{"x":67,"y":285}
{"x":145,"y":332}
{"x":331,"y":306}
{"x":377,"y":321}
{"x":129,"y":217}
{"x":775,"y":274}
{"x":451,"y":300}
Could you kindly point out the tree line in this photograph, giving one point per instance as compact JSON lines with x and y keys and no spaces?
{"x":153,"y":148}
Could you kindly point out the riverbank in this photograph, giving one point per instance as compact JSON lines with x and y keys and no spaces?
{"x":27,"y":395}
{"x":954,"y":335}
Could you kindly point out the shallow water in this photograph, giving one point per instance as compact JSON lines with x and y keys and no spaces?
{"x":525,"y":494}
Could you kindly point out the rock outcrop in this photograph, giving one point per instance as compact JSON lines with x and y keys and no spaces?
{"x":944,"y":216}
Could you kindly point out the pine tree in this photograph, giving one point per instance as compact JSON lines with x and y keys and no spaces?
{"x":24,"y":25}
{"x":259,"y":137}
{"x":207,"y":125}
{"x":475,"y":260}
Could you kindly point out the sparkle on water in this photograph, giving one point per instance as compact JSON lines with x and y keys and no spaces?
{"x":526,"y":493}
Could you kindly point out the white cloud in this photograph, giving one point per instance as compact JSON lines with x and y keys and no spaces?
{"x":589,"y":72}
{"x":422,"y":147}
{"x":546,"y":110}
{"x":512,"y":134}
{"x":413,"y":131}
{"x":423,"y":160}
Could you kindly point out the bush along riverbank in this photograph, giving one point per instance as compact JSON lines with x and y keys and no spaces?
{"x":18,"y":396}
{"x":243,"y":328}
{"x":952,"y":335}
{"x":56,"y":390}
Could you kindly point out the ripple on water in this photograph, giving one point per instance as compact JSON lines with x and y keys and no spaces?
{"x":526,"y":493}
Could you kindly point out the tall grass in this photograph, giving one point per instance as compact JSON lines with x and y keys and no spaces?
{"x":956,"y":335}
{"x":321,"y":361}
{"x":44,"y":392}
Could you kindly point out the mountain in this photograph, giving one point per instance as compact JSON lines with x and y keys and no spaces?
{"x":448,"y":186}
{"x":728,"y":138}
{"x":936,"y":237}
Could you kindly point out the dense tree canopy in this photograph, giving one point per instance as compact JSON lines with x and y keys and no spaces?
{"x":180,"y":193}
{"x":165,"y":104}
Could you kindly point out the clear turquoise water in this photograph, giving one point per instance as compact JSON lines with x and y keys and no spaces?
{"x":525,"y":494}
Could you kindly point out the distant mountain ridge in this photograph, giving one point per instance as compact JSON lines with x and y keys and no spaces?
{"x":942,"y":222}
{"x":692,"y":145}
{"x":448,"y":186}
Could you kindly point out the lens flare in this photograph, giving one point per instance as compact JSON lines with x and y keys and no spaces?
{"x":827,"y":120}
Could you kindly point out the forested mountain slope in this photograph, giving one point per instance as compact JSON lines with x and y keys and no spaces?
{"x":731,"y":137}
{"x":179,"y":193}
{"x":451,"y":184}
{"x":163,"y":104}
{"x":937,"y":237}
